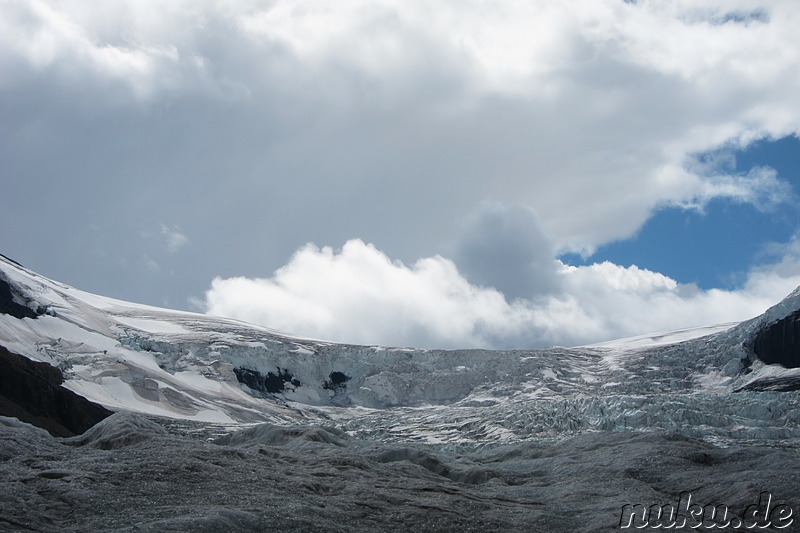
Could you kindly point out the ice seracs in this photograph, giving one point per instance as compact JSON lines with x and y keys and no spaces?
{"x":225,"y":426}
{"x":197,"y":367}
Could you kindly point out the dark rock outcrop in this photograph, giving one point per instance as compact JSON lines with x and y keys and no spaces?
{"x":337,"y":381}
{"x":10,"y":302}
{"x":779,"y":342}
{"x":32,"y":392}
{"x":782,"y":384}
{"x":271,"y":383}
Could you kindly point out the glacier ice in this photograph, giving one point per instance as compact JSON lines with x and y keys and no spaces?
{"x":197,"y":367}
{"x":225,"y":426}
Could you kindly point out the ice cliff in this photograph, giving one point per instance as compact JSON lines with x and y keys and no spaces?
{"x":191,"y":366}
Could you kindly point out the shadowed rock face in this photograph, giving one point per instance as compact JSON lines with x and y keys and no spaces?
{"x":9,"y":305}
{"x":32,"y":392}
{"x":783,"y":384}
{"x":780,"y":342}
{"x":272,"y":383}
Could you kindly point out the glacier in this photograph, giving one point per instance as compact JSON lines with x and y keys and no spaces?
{"x":554,"y":439}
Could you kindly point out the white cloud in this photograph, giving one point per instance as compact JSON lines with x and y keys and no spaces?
{"x":175,"y":240}
{"x":71,"y":38}
{"x":600,"y":91}
{"x":363,"y":117}
{"x":760,"y":187}
{"x":359,"y":295}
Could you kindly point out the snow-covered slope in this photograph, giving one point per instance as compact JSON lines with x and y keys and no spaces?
{"x":197,"y":367}
{"x":368,"y":438}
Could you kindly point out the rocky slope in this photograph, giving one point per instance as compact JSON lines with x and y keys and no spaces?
{"x":32,"y":392}
{"x":244,"y":428}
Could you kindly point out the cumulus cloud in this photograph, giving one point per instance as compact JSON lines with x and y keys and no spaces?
{"x":505,"y":248}
{"x":359,"y":295}
{"x":69,"y":38}
{"x":597,"y":91}
{"x":263,"y":126}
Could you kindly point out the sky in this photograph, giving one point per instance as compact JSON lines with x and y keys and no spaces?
{"x":447,"y":175}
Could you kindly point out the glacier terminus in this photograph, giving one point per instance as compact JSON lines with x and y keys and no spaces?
{"x":126,"y":417}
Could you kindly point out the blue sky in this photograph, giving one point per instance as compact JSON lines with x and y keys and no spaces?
{"x":449,"y":174}
{"x":717,"y":246}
